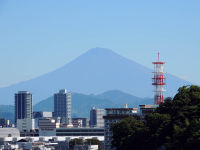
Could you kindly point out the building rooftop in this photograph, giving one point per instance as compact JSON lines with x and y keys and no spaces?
{"x":121,"y":109}
{"x":147,"y":106}
{"x":9,"y":132}
{"x":23,"y":92}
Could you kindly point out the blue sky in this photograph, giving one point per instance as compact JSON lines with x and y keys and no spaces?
{"x":37,"y":36}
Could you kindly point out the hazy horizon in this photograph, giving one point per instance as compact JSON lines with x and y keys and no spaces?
{"x":38,"y":37}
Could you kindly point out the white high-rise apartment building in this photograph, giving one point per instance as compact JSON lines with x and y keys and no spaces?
{"x":23,"y":105}
{"x":24,"y":111}
{"x":62,"y":106}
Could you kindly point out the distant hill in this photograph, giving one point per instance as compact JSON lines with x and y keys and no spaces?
{"x":119,"y":98}
{"x":95,"y":71}
{"x":81,"y":103}
{"x":7,"y":111}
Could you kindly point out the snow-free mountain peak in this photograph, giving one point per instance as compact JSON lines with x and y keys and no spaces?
{"x":95,"y":71}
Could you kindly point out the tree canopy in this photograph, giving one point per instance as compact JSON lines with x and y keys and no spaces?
{"x":174,"y":125}
{"x":92,"y":141}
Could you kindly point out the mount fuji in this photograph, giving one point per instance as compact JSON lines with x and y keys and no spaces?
{"x":94,"y":72}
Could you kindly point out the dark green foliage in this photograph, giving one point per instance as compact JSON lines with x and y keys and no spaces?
{"x":125,"y":132}
{"x":175,"y":125}
{"x":75,"y":142}
{"x":92,"y":141}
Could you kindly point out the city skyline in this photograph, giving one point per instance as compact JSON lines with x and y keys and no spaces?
{"x":108,"y":75}
{"x":35,"y":33}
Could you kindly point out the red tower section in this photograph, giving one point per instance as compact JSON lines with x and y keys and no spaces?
{"x":158,"y":82}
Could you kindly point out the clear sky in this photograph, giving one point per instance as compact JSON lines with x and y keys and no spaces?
{"x":40,"y":36}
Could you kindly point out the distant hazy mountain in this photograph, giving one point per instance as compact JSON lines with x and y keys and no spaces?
{"x":95,"y":71}
{"x":7,"y":111}
{"x":81,"y":103}
{"x":119,"y":98}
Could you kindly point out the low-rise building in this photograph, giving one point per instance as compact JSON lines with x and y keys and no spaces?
{"x":114,"y":115}
{"x":94,"y":132}
{"x":4,"y":122}
{"x":146,"y":109}
{"x":26,"y":124}
{"x":9,"y":132}
{"x":85,"y":121}
{"x":48,"y":123}
{"x":86,"y":147}
{"x":47,"y":126}
{"x":73,"y":132}
{"x":40,"y":114}
{"x":44,"y":143}
{"x":77,"y":123}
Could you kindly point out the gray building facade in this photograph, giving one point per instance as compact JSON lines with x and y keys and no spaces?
{"x":62,"y":106}
{"x":96,"y":117}
{"x":23,"y":105}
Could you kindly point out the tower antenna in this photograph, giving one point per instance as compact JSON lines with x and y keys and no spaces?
{"x":158,"y":81}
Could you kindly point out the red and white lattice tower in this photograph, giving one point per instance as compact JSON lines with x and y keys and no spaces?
{"x":158,"y":82}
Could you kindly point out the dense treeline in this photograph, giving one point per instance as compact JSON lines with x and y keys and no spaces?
{"x":174,"y":125}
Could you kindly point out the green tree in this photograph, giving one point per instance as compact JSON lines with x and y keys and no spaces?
{"x":94,"y":141}
{"x":74,"y":142}
{"x":125,"y":131}
{"x":174,"y":125}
